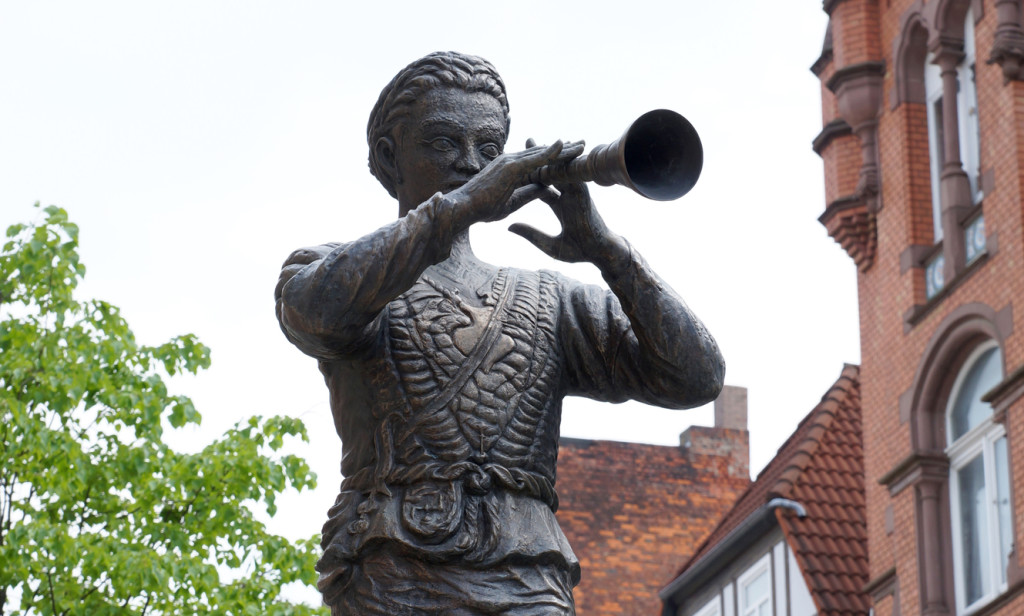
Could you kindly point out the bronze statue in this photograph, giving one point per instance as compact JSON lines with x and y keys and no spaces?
{"x":446,"y":374}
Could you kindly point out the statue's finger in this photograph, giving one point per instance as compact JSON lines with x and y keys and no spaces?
{"x":572,"y":149}
{"x":525,"y":194}
{"x":541,"y":240}
{"x":548,"y":194}
{"x":573,"y":189}
{"x":553,"y":150}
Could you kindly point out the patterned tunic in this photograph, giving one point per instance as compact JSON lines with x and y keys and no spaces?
{"x":448,"y":397}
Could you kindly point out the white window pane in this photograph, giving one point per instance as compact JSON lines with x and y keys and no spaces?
{"x":933,"y":96}
{"x":967,"y":109}
{"x":967,"y":121}
{"x":973,"y":529}
{"x":755,"y":590}
{"x":1003,"y":506}
{"x":937,"y":146}
{"x":934,"y":274}
{"x":968,"y":410}
{"x":974,"y":237}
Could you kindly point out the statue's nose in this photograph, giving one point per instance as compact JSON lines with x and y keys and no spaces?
{"x":470,"y":162}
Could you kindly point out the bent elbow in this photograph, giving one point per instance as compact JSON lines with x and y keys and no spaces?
{"x":701,"y":381}
{"x":710,"y":380}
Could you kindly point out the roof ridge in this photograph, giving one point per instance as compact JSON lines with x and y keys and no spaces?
{"x":757,"y":493}
{"x":820,"y":419}
{"x":830,"y":544}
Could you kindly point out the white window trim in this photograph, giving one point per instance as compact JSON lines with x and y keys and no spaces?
{"x":954,"y":393}
{"x":985,"y":447}
{"x":979,"y":440}
{"x":764,"y":564}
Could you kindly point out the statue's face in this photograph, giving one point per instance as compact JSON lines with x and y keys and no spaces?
{"x":447,"y":138}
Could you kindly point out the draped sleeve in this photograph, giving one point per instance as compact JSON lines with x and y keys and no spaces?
{"x":639,"y":340}
{"x":330,"y":298}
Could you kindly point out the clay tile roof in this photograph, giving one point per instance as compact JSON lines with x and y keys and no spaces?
{"x":820,"y":466}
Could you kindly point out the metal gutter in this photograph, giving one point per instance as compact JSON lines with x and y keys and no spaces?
{"x":718,"y":557}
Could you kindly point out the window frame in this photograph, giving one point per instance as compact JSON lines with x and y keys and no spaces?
{"x":936,"y":145}
{"x":967,"y":124}
{"x":762,"y":566}
{"x":978,"y":441}
{"x":967,"y":111}
{"x":712,"y":607}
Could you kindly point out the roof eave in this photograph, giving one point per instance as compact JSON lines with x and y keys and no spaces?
{"x":757,"y":524}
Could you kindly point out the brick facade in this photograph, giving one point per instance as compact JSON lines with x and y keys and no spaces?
{"x":912,"y":347}
{"x":632,"y":511}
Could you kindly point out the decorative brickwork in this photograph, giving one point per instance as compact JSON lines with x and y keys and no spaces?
{"x":1008,"y":43}
{"x":912,"y":345}
{"x":852,"y":224}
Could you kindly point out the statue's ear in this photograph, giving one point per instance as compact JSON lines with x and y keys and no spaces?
{"x":385,"y":151}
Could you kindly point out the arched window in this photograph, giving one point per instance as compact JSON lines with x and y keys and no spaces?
{"x":954,"y":153}
{"x":979,"y":483}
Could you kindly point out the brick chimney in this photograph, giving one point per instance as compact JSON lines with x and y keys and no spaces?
{"x":731,"y":408}
{"x":728,"y":440}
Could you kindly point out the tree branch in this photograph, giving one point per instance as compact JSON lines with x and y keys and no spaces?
{"x":96,"y":587}
{"x":53,"y":598}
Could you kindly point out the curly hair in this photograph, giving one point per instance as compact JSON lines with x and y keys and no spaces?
{"x":439,"y":69}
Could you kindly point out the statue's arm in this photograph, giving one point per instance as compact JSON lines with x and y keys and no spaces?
{"x":329,"y":298}
{"x":638,"y":341}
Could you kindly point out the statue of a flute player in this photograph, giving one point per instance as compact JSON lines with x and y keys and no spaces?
{"x":447,"y":374}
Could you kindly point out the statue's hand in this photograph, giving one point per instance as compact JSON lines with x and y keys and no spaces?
{"x":502,"y":186}
{"x":584,"y":235}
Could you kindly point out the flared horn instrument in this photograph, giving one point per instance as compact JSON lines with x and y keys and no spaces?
{"x":659,"y":156}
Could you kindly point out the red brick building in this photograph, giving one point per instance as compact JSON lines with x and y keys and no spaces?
{"x":923,"y":147}
{"x":631,"y":511}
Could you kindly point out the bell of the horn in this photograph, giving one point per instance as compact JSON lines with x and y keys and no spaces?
{"x":659,"y":156}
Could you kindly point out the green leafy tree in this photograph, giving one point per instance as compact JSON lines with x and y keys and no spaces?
{"x":98,"y":515}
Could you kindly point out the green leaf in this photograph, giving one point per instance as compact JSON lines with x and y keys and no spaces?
{"x":116,"y":519}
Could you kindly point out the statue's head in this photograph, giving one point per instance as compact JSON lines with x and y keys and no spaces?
{"x":454,"y":87}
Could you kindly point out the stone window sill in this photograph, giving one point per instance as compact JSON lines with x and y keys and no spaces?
{"x":919,"y":311}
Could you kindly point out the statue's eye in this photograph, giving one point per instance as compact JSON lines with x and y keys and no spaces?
{"x":442,"y":144}
{"x":490,"y":150}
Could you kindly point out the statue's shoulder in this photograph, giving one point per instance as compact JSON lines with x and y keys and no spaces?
{"x":309,"y":254}
{"x":557,"y":281}
{"x":298,"y":260}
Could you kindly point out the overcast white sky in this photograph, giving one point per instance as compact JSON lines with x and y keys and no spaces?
{"x":198,"y":143}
